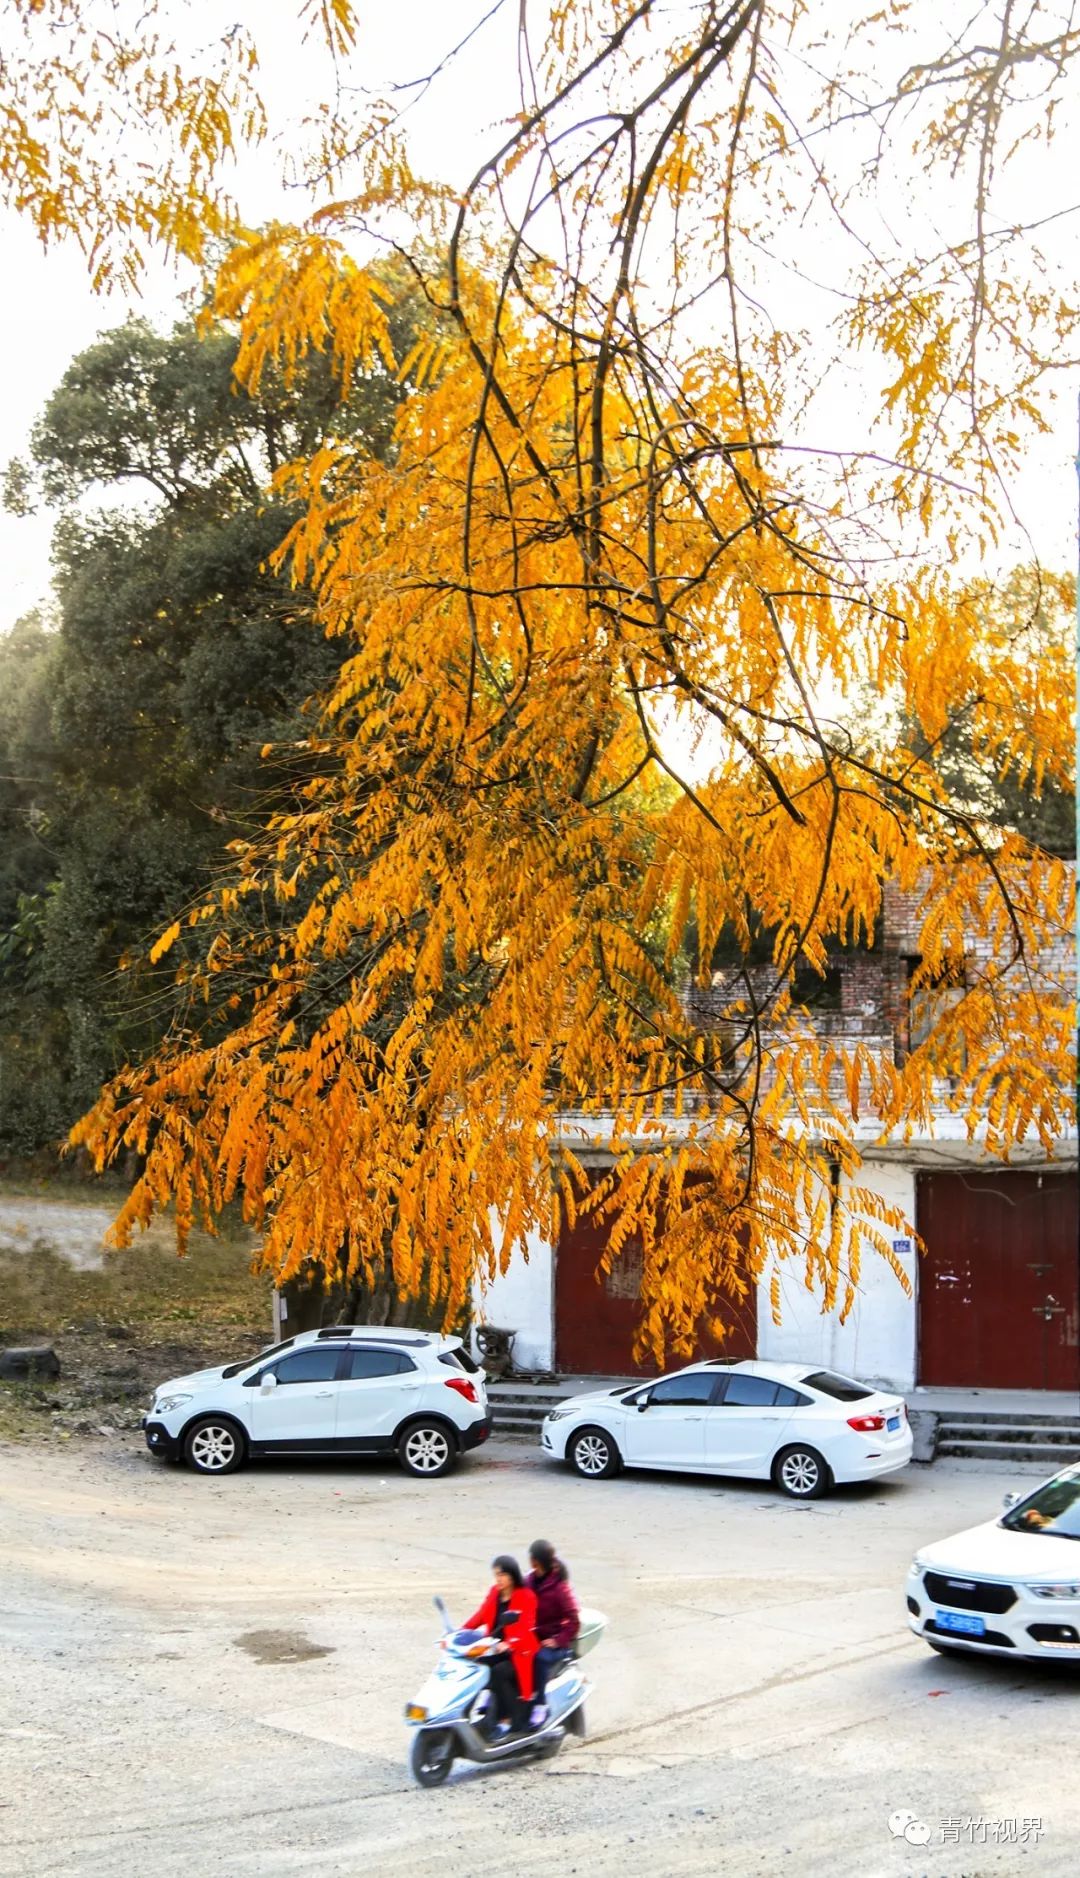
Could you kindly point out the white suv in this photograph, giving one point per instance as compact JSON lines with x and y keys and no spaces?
{"x":351,"y":1389}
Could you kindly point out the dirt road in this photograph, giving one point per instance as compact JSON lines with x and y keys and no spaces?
{"x":75,"y":1229}
{"x":208,"y":1676}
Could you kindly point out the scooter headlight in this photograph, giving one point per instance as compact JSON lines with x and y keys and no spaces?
{"x":414,"y":1712}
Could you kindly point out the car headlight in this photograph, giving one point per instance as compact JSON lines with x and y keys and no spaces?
{"x":169,"y":1402}
{"x":919,"y":1564}
{"x":1053,"y":1591}
{"x":559,"y":1414}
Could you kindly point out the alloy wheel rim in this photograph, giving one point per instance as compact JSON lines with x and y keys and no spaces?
{"x":800,"y":1473}
{"x":592,"y":1454}
{"x":213,"y":1449}
{"x":426,"y":1450}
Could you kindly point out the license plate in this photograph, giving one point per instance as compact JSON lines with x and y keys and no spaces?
{"x":961,"y":1623}
{"x":893,"y":1424}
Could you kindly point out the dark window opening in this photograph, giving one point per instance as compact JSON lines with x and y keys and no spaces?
{"x":363,"y":1364}
{"x":742,"y":1391}
{"x":682,"y":1391}
{"x":312,"y":1365}
{"x":841,"y":1388}
{"x":459,"y":1358}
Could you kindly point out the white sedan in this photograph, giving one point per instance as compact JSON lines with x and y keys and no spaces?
{"x":805,"y":1429}
{"x":1010,"y":1587}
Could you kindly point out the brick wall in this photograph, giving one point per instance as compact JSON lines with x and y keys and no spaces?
{"x":874,"y":1003}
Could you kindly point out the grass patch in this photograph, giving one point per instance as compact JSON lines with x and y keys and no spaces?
{"x":147,"y":1289}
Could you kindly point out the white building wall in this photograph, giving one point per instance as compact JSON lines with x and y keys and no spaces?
{"x":878,"y":1341}
{"x":523,"y":1299}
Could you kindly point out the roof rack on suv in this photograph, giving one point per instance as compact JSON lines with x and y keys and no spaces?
{"x":413,"y":1340}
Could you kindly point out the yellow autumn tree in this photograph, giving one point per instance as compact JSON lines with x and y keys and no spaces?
{"x":603,"y":607}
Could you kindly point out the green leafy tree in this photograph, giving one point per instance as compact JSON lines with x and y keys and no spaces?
{"x":132,"y":735}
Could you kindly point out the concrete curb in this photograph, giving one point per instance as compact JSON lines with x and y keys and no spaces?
{"x":924,"y":1428}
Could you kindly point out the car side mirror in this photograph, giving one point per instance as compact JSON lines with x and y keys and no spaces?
{"x":268,"y":1382}
{"x":1010,"y":1500}
{"x":643,"y":1401}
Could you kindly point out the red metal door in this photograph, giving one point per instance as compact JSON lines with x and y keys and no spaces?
{"x":998,"y":1282}
{"x":596,"y":1318}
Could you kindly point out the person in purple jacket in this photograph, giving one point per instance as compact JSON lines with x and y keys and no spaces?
{"x":557,"y":1620}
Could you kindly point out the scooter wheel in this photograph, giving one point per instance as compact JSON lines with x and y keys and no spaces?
{"x":432,"y":1756}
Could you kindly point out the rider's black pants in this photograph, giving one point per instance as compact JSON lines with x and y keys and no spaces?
{"x":504,"y":1687}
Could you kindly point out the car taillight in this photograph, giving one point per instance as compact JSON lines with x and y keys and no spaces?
{"x":463,"y":1387}
{"x":867,"y":1424}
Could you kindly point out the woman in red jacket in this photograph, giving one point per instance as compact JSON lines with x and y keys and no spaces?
{"x":509,"y":1613}
{"x":557,"y":1618}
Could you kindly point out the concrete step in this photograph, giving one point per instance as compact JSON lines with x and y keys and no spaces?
{"x":986,"y":1418}
{"x":1068,"y":1433}
{"x":1051,"y":1453}
{"x":520,"y":1398}
{"x":510,"y":1425}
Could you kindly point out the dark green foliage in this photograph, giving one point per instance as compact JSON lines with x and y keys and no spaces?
{"x":131,"y":731}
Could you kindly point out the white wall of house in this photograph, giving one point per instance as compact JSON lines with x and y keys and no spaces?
{"x":878,"y":1340}
{"x":523,"y":1299}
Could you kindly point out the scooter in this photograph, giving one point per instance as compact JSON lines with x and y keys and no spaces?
{"x":454,"y":1713}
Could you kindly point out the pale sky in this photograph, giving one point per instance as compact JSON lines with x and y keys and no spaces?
{"x":49,"y":313}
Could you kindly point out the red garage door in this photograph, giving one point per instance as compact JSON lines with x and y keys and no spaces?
{"x":998,"y":1283}
{"x":596,"y":1318}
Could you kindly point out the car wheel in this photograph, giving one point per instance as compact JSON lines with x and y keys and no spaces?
{"x":427,"y":1449}
{"x":432,"y":1756}
{"x":801,"y":1473}
{"x":214,"y":1445}
{"x":593,"y":1453}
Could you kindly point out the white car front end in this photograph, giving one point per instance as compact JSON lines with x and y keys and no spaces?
{"x":1000,"y":1589}
{"x":602,"y":1406}
{"x":178,"y":1400}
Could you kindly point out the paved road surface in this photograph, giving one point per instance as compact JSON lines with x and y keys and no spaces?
{"x":206,"y":1677}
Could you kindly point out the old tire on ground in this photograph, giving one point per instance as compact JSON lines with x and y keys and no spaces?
{"x":214,"y":1445}
{"x":432,"y":1756}
{"x":593,"y":1454}
{"x":801,"y":1472}
{"x":427,"y":1449}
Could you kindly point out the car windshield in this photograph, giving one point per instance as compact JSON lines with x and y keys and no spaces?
{"x":1053,"y":1509}
{"x":274,"y":1349}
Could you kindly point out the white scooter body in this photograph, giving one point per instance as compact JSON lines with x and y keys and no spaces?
{"x":453,"y":1714}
